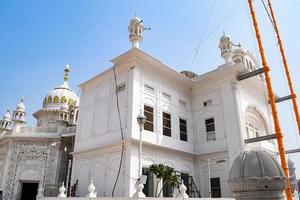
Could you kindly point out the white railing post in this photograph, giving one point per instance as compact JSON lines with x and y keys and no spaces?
{"x":182,"y":191}
{"x":62,"y":191}
{"x":139,"y":190}
{"x":92,"y":193}
{"x":40,"y":191}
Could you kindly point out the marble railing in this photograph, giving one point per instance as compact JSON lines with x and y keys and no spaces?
{"x":124,"y":198}
{"x":138,"y":195}
{"x":38,"y":129}
{"x":48,"y":129}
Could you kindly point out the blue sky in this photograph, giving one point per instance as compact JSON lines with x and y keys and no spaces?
{"x":38,"y":38}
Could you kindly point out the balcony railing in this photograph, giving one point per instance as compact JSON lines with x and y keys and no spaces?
{"x":39,"y":129}
{"x":48,"y":129}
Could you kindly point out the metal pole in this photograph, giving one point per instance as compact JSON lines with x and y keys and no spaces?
{"x":68,"y":176}
{"x":266,"y":68}
{"x":286,"y":68}
{"x":140,"y":154}
{"x":209,"y":184}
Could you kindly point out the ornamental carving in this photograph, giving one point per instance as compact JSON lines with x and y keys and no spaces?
{"x":25,"y":154}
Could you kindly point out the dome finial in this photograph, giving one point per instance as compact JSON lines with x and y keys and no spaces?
{"x":67,"y":70}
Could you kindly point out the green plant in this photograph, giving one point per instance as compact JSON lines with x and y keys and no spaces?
{"x":166,"y":174}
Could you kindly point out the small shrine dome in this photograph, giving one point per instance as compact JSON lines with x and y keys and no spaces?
{"x":257,"y":175}
{"x":7,"y":116}
{"x":21,"y":107}
{"x":224,"y":38}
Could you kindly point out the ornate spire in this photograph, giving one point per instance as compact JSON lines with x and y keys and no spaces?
{"x":226,"y":48}
{"x":67,"y":70}
{"x":136,"y":28}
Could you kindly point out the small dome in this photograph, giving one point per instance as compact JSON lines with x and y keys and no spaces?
{"x":240,"y":51}
{"x":290,"y":162}
{"x":136,"y":20}
{"x":256,"y":173}
{"x":224,"y":38}
{"x":255,"y":164}
{"x":21,"y":107}
{"x":189,"y":74}
{"x":7,"y":116}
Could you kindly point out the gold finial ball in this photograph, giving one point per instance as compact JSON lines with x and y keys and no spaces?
{"x":67,"y":70}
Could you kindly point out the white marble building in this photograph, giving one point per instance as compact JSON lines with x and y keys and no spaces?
{"x":33,"y":159}
{"x":190,"y":119}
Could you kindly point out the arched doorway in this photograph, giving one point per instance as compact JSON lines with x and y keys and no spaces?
{"x":29,"y":183}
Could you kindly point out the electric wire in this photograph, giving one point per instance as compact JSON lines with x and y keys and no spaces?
{"x":285,"y":85}
{"x":121,"y":130}
{"x":116,"y":170}
{"x":203,"y":31}
{"x":282,"y":68}
{"x":211,"y":32}
{"x":252,"y":31}
{"x":268,"y":13}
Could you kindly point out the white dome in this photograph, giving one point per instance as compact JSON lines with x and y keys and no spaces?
{"x":21,"y":107}
{"x":136,"y":20}
{"x":224,"y":38}
{"x":7,"y":116}
{"x":255,"y":164}
{"x":240,"y":51}
{"x":256,"y":175}
{"x":59,"y":96}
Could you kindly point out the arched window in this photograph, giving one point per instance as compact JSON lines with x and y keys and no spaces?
{"x":56,"y":99}
{"x":63,"y":99}
{"x":49,"y":99}
{"x":255,"y":124}
{"x":247,"y":64}
{"x":76,"y":116}
{"x":70,"y":101}
{"x":251,"y":67}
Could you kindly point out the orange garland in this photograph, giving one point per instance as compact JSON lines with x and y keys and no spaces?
{"x":286,"y":68}
{"x":266,"y":69}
